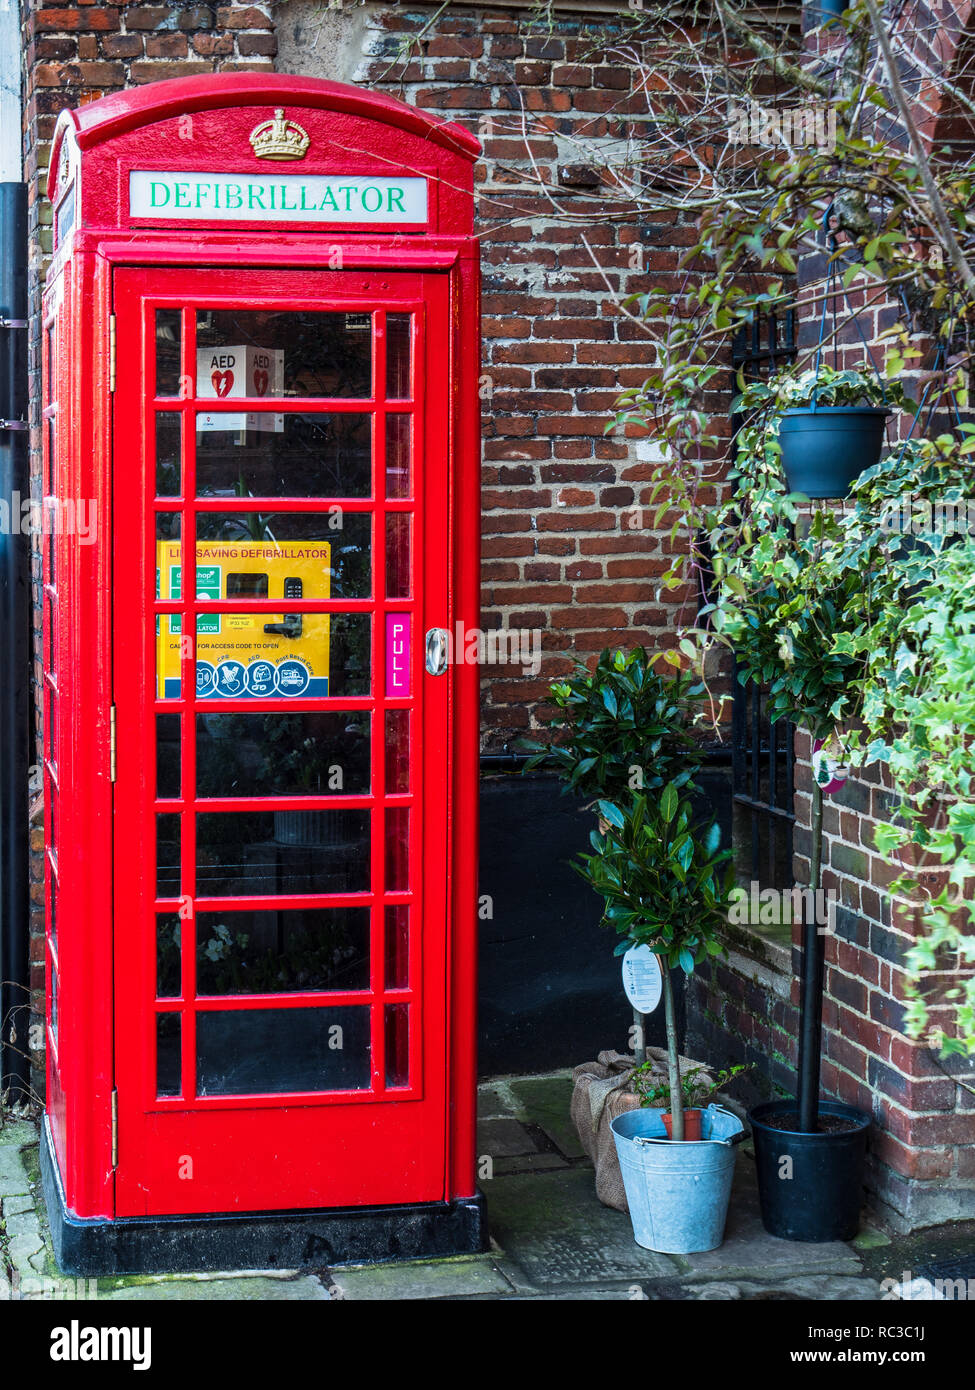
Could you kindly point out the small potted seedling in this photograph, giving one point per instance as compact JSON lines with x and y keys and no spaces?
{"x":697,"y":1086}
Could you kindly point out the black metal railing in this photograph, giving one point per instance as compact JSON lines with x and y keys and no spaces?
{"x":762,"y":757}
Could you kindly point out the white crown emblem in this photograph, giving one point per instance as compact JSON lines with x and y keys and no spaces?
{"x":279,"y":139}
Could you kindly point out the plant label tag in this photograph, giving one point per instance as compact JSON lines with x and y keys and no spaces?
{"x":642,"y":979}
{"x":828,"y":771}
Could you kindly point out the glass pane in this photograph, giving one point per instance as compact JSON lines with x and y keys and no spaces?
{"x":398,"y":356}
{"x":168,"y":955}
{"x":328,"y":656}
{"x":397,"y":750}
{"x":53,"y":826}
{"x":169,"y":1067}
{"x":282,"y":952}
{"x":51,"y":726}
{"x":50,"y":645}
{"x":399,"y":473}
{"x":169,"y":433}
{"x":169,"y":340}
{"x":397,"y":843}
{"x":254,"y":1051}
{"x":50,"y":462}
{"x":54,"y":1002}
{"x":397,"y":929}
{"x":297,"y":554}
{"x":167,"y":856}
{"x":250,"y":655}
{"x":282,"y":754}
{"x":397,"y":1045}
{"x":398,"y":525}
{"x":257,"y":352}
{"x":167,"y":755}
{"x":262,"y":455}
{"x":52,"y":908}
{"x":256,"y":853}
{"x":168,"y":528}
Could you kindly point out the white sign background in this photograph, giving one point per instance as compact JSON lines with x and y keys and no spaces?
{"x":642,"y":979}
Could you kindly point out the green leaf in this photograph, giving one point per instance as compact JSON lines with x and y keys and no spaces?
{"x":611,"y":813}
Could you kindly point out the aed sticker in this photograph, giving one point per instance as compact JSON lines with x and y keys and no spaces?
{"x":642,"y":979}
{"x":248,"y":655}
{"x":232,"y":372}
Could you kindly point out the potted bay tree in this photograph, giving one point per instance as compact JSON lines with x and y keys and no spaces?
{"x":665,"y":884}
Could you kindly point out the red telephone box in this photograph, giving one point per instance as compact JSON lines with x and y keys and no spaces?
{"x":260,"y":342}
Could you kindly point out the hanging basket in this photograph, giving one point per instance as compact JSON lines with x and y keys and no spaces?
{"x":824,"y":448}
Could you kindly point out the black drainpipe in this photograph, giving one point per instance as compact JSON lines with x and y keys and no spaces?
{"x":15,"y":665}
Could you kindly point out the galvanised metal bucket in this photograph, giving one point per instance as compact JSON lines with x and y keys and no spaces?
{"x":677,"y":1193}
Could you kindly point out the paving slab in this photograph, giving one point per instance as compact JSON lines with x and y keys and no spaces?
{"x":16,"y":1206}
{"x":13,"y":1173}
{"x":19,"y":1252}
{"x":504,"y":1138}
{"x":526,"y":1163}
{"x":490,"y":1102}
{"x":553,"y":1227}
{"x":16,"y":1133}
{"x":827,"y":1288}
{"x":451,"y":1278}
{"x":749,"y":1251}
{"x":23,"y":1223}
{"x":615,"y":1295}
{"x":546,"y":1101}
{"x":230,"y":1289}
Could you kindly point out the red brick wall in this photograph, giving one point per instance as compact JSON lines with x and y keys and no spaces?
{"x":560,"y":552}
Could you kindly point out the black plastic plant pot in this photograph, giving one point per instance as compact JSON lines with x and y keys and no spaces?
{"x":823,"y":450}
{"x":810,"y":1185}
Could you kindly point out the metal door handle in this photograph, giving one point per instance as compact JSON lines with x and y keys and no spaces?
{"x":436,"y":651}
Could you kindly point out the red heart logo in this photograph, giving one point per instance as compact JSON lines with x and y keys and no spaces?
{"x":260,"y":380}
{"x":222,"y":382}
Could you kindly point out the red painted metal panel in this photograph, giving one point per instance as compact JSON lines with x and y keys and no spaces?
{"x":408,"y":1135}
{"x":274,"y":1151}
{"x":205,"y":123}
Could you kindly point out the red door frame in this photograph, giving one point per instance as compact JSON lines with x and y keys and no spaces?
{"x":243,"y":1159}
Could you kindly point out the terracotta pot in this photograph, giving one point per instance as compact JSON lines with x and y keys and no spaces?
{"x":692,"y":1124}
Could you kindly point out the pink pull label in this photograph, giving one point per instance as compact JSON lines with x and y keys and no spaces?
{"x":397,"y":653}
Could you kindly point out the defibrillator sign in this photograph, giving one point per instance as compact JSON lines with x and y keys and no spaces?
{"x":247,"y":655}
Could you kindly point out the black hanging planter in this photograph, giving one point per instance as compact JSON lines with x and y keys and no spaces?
{"x":810,"y":1185}
{"x":824,"y":448}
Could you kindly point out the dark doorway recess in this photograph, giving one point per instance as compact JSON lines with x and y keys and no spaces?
{"x":550,"y":993}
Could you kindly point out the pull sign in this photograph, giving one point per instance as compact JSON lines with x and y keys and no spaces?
{"x":642,"y":979}
{"x":397,"y":653}
{"x":436,"y":651}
